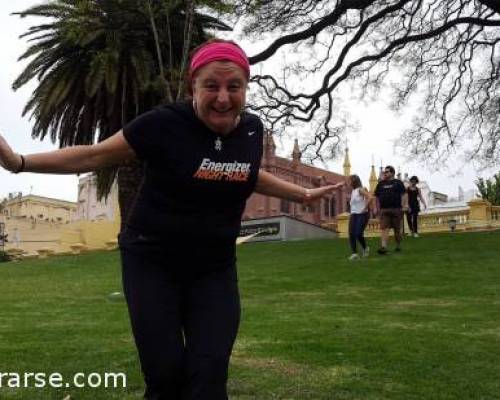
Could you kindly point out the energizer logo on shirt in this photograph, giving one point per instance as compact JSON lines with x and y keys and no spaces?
{"x":223,"y":171}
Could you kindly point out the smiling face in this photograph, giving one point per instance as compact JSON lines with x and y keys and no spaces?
{"x":219,"y":92}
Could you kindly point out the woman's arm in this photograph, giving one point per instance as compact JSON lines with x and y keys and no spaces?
{"x":369,"y":198}
{"x":270,"y":185}
{"x":113,"y":151}
{"x":421,"y":198}
{"x":404,"y":201}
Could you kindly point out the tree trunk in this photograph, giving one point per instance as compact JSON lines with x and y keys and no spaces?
{"x":129,"y":182}
{"x":165,"y":84}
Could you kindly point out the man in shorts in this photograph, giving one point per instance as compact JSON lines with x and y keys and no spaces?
{"x":391,"y":198}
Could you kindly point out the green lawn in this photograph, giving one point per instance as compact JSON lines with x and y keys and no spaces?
{"x":422,"y":324}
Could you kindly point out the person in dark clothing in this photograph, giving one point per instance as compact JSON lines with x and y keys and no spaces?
{"x":414,"y":198}
{"x":392,"y":200}
{"x":202,"y":161}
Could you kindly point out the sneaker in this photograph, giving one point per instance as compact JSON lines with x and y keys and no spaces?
{"x":353,"y":257}
{"x":415,"y":235}
{"x":382,"y":251}
{"x":366,"y":251}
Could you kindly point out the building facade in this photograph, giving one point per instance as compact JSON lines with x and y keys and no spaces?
{"x":39,"y":208}
{"x":91,"y":209}
{"x":318,"y":212}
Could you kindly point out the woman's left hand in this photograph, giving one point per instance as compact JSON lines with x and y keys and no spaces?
{"x":8,"y":159}
{"x":317,"y":193}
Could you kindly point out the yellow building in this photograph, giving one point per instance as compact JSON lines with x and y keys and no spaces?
{"x":38,"y":208}
{"x":36,"y":224}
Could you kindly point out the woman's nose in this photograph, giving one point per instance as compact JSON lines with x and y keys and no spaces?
{"x":223,"y":96}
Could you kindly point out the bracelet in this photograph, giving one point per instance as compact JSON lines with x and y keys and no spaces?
{"x":21,"y":167}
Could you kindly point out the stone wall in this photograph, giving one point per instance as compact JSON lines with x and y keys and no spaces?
{"x":478,"y":215}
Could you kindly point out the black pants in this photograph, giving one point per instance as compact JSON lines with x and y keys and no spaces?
{"x":412,"y":218}
{"x":357,"y":226}
{"x":184,"y":325}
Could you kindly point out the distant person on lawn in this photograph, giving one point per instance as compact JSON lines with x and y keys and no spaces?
{"x":414,"y":195}
{"x":360,"y":206}
{"x":392,"y":201}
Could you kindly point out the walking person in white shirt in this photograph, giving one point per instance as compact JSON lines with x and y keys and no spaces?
{"x":360,"y":204}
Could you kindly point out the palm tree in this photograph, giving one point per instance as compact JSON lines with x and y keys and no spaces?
{"x":100,"y":63}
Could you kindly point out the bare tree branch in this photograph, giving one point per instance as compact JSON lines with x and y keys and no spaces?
{"x":445,"y":52}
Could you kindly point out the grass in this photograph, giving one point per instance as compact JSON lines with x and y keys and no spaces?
{"x":423,"y":324}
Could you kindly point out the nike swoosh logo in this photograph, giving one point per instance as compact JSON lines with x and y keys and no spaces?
{"x":251,"y":133}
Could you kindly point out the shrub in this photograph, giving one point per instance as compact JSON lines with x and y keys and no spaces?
{"x":4,"y":257}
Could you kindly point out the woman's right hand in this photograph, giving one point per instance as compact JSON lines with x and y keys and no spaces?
{"x":8,"y":159}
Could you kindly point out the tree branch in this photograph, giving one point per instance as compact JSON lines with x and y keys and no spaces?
{"x":313,"y":30}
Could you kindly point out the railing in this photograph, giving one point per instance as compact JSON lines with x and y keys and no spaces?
{"x":373,"y":226}
{"x":495,"y":213}
{"x":477,"y":215}
{"x":444,"y":220}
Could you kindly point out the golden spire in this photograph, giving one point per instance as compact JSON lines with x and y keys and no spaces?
{"x":347,"y":163}
{"x":373,"y":177}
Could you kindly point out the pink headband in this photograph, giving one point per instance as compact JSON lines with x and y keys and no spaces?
{"x":220,"y":51}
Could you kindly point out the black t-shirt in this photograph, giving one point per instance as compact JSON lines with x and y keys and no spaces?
{"x":196,"y":182}
{"x":413,"y":199}
{"x":389,"y":193}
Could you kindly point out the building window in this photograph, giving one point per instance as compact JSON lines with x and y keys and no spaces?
{"x":329,"y":207}
{"x":285,"y":206}
{"x":308,"y":208}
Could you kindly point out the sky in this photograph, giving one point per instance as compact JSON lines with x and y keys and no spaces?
{"x":374,"y":140}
